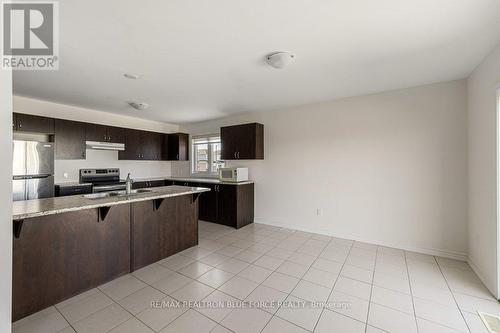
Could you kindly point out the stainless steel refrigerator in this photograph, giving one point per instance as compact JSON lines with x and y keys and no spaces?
{"x":33,"y":170}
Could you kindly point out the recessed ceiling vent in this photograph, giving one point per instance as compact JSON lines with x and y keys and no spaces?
{"x":139,"y":105}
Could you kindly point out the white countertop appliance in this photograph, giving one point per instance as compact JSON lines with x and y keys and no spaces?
{"x":233,"y":174}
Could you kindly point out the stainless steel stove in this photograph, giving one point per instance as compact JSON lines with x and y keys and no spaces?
{"x":103,"y":180}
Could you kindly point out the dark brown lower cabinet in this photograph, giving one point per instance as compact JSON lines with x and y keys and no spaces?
{"x":59,"y":256}
{"x":160,"y":232}
{"x":62,"y":255}
{"x":231,"y":205}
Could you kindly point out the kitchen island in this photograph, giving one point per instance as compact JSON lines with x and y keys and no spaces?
{"x":65,"y":246}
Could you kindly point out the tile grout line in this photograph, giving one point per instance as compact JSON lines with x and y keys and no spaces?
{"x":336,"y":280}
{"x":290,"y":293}
{"x":411,"y":291}
{"x":371,"y":288}
{"x":452,"y":294}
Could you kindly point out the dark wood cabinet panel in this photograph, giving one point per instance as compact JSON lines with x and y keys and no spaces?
{"x":208,"y":203}
{"x":159,"y":233}
{"x":102,"y":133}
{"x":242,"y":142}
{"x":226,"y":205}
{"x":70,"y":140}
{"x":96,"y":132}
{"x":187,"y":222}
{"x":231,"y":205}
{"x":142,"y":145}
{"x":132,"y":146}
{"x":34,"y":124}
{"x":116,"y":134}
{"x":151,"y":146}
{"x":144,"y":230}
{"x":62,"y":255}
{"x":14,"y":121}
{"x":148,"y":184}
{"x":175,"y":147}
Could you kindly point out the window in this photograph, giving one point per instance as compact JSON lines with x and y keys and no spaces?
{"x":206,"y":155}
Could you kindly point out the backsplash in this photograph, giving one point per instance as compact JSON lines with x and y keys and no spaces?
{"x":67,"y":170}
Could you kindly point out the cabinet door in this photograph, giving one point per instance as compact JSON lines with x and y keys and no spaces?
{"x":70,"y":140}
{"x":96,"y":133}
{"x":178,"y":147}
{"x":151,"y":146}
{"x":132,"y":146}
{"x":229,"y":137}
{"x":243,"y":142}
{"x":208,"y":203}
{"x":34,"y":124}
{"x":116,"y":134}
{"x":183,"y":149}
{"x":227,"y":205}
{"x":14,"y":121}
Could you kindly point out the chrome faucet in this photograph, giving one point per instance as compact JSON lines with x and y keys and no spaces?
{"x":128,"y":184}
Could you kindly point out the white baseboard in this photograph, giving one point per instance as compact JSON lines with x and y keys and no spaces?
{"x":482,"y":277}
{"x":434,"y":252}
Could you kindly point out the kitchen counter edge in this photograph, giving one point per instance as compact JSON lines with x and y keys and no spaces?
{"x":42,"y":207}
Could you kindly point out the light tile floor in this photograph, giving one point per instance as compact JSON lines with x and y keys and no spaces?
{"x":364,"y":287}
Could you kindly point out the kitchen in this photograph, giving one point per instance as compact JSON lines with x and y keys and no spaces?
{"x":250,"y":167}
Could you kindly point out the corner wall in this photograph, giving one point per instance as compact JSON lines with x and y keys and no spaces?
{"x":482,"y":88}
{"x":387,"y":168}
{"x":6,"y":198}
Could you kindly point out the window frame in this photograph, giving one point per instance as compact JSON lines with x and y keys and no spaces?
{"x":209,"y":154}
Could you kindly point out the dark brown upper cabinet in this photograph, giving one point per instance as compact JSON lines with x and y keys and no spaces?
{"x":242,"y":142}
{"x":70,"y":140}
{"x":33,"y":124}
{"x":102,"y":133}
{"x":141,"y":145}
{"x":175,"y":147}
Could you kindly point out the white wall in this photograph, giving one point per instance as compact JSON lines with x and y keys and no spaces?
{"x":96,"y":159}
{"x":482,"y":119}
{"x":6,"y":198}
{"x":389,"y":168}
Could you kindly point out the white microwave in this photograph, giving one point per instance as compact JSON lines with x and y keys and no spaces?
{"x":233,"y":174}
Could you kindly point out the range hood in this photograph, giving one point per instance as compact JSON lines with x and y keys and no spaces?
{"x":105,"y":146}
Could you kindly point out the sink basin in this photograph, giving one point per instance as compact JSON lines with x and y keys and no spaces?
{"x":94,"y":196}
{"x":101,"y":195}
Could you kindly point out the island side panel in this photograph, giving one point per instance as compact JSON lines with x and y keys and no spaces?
{"x":62,"y":255}
{"x":158,"y":233}
{"x":187,"y":221}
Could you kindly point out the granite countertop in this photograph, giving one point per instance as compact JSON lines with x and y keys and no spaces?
{"x":70,"y":184}
{"x":49,"y":206}
{"x":208,"y":180}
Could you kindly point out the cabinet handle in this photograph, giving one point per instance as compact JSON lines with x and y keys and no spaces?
{"x":238,"y":155}
{"x":20,"y":124}
{"x":235,"y":153}
{"x":177,"y":156}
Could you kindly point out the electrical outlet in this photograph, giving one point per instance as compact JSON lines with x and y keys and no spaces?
{"x":319,"y":212}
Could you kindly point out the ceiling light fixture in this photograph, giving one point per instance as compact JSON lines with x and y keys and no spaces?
{"x":139,"y":105}
{"x":280,"y":60}
{"x":131,"y":76}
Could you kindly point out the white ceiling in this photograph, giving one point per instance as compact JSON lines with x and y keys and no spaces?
{"x":204,"y":59}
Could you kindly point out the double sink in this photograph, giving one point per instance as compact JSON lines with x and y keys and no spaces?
{"x":94,"y":196}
